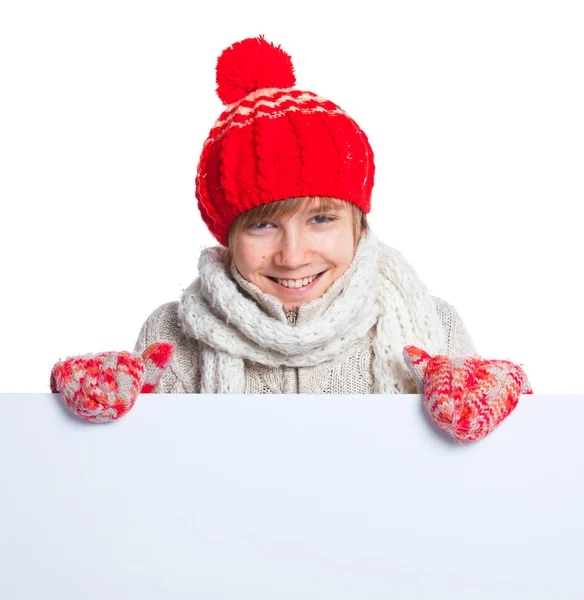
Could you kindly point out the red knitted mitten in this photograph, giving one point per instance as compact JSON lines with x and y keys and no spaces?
{"x":467,"y":396}
{"x":104,"y":387}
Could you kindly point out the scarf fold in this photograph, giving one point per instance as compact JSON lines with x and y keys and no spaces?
{"x":383,"y":290}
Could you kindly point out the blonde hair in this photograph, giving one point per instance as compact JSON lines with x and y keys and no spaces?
{"x":283,"y":208}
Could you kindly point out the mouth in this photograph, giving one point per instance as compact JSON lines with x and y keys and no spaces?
{"x":297,"y":285}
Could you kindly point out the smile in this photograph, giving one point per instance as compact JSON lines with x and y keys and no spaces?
{"x":296,"y":284}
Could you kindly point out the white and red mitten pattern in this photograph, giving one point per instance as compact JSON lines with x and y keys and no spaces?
{"x":103,"y":387}
{"x":467,"y":396}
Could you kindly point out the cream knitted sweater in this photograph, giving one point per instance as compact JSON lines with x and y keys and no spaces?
{"x":349,"y":373}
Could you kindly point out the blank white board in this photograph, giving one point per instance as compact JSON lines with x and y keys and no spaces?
{"x":288,"y":497}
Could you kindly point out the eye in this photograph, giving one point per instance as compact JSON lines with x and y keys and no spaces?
{"x":259,"y":226}
{"x":321,"y":219}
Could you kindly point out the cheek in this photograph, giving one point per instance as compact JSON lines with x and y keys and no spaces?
{"x":340,"y":248}
{"x":249,"y":258}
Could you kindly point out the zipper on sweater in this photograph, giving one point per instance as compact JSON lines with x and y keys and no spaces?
{"x":291,"y":315}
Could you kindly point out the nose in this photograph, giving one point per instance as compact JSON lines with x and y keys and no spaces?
{"x":294,"y":250}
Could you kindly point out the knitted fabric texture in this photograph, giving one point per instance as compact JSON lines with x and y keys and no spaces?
{"x":467,"y":396}
{"x":384,"y":290}
{"x":103,"y":387}
{"x":347,"y":373}
{"x":274,"y":143}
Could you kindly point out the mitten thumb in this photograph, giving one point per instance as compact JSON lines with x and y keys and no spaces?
{"x":417,"y":361}
{"x":156,"y":358}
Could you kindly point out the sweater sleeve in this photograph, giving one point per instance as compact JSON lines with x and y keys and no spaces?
{"x":459,"y":342}
{"x":182,"y":374}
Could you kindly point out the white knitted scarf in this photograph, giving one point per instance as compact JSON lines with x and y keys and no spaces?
{"x":383,"y":289}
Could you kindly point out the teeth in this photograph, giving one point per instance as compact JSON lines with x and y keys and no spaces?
{"x":296,"y":283}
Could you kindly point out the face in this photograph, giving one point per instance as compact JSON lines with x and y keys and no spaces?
{"x":298,"y":257}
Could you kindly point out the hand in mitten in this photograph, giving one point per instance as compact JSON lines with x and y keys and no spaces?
{"x":467,"y":396}
{"x":104,"y":387}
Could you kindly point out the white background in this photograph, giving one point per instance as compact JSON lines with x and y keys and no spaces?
{"x":473,"y":109}
{"x":314,"y":497}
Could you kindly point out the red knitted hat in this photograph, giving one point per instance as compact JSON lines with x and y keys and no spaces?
{"x":274,"y":142}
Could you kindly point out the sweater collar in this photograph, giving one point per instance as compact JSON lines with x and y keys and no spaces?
{"x":306,"y":311}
